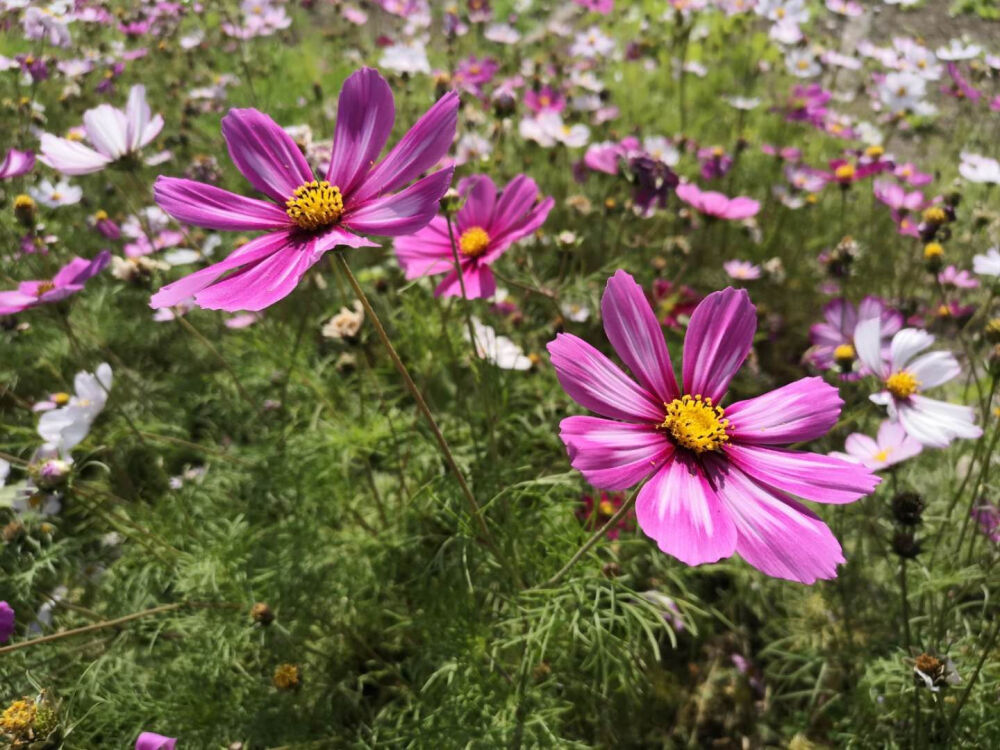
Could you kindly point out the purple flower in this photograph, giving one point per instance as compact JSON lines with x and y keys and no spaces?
{"x":833,"y":339}
{"x":308,"y":217}
{"x":16,"y":163}
{"x":69,"y":280}
{"x":154,"y":741}
{"x":717,"y":483}
{"x":6,"y":622}
{"x":484,"y":228}
{"x":113,"y":133}
{"x":715,"y":163}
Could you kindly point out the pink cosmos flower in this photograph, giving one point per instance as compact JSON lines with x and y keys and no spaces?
{"x":546,"y":99}
{"x":16,"y":163}
{"x":113,"y":133}
{"x":743,"y":270}
{"x":717,"y":205}
{"x":673,"y":303}
{"x":896,"y":198}
{"x":717,"y":485}
{"x":484,"y":228}
{"x":891,"y":446}
{"x":594,"y":512}
{"x":909,"y":173}
{"x":905,"y":376}
{"x":308,"y":217}
{"x":154,"y":741}
{"x":598,"y":6}
{"x":833,"y":339}
{"x":951,"y":276}
{"x":69,"y":280}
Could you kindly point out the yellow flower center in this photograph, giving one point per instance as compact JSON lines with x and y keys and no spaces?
{"x":60,"y":399}
{"x":606,"y":508}
{"x":844,"y":353}
{"x":24,"y":202}
{"x":935,"y":215}
{"x":315,"y":205}
{"x":902,"y":384}
{"x":45,"y":286}
{"x":19,"y":717}
{"x":933,"y":250}
{"x":101,"y":215}
{"x":286,"y":676}
{"x":696,"y":424}
{"x":874,"y":151}
{"x":881,"y":456}
{"x":844,"y":172}
{"x":474,"y":242}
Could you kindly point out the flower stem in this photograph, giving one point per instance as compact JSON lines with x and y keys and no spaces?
{"x":215,"y":352}
{"x":111,"y":624}
{"x":601,"y":532}
{"x":474,"y":508}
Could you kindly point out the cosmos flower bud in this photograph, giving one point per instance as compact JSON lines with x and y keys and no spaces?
{"x":451,"y":201}
{"x":905,"y":544}
{"x":994,"y":360}
{"x":991,"y":331}
{"x":262,"y":614}
{"x":287,"y":676}
{"x":933,"y":257}
{"x":51,"y":474}
{"x":844,"y":355}
{"x":934,"y":673}
{"x":25,"y":210}
{"x":907,"y":508}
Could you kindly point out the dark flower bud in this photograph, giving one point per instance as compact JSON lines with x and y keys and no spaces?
{"x":25,"y":210}
{"x":907,"y":508}
{"x":905,"y":544}
{"x":991,"y":331}
{"x":262,"y":613}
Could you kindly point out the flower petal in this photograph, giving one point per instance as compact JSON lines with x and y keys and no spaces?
{"x":265,"y":154}
{"x":137,"y":117}
{"x":803,"y":410}
{"x":421,"y":148}
{"x":261,"y":284}
{"x":404,"y":212}
{"x":775,"y":534}
{"x":613,"y":455}
{"x":936,"y":423}
{"x":71,"y":157}
{"x":907,"y":344}
{"x":480,"y":198}
{"x":478,"y":280}
{"x":934,"y":368}
{"x":365,"y":115}
{"x":868,"y":345}
{"x":213,"y":208}
{"x":635,"y":333}
{"x":718,"y":339}
{"x":427,"y":251}
{"x":106,"y":128}
{"x":811,"y":476}
{"x":596,"y":383}
{"x":252,"y":252}
{"x":680,"y":510}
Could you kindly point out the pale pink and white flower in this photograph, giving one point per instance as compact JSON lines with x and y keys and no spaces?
{"x":891,"y":446}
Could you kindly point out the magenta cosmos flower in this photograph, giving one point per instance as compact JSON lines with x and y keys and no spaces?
{"x":69,"y":280}
{"x":154,"y":741}
{"x":7,"y":620}
{"x":488,"y":224}
{"x":308,"y":216}
{"x":16,"y":163}
{"x":114,"y":134}
{"x":716,"y":204}
{"x":717,"y":483}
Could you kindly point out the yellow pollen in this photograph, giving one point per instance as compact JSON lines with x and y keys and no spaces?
{"x":881,"y":456}
{"x":902,"y":384}
{"x":780,"y":13}
{"x":844,"y":172}
{"x":474,"y":242}
{"x":544,"y":100}
{"x":286,"y":676}
{"x":101,"y":215}
{"x":60,"y":399}
{"x":45,"y":286}
{"x":844,"y":353}
{"x":874,"y":151}
{"x":696,"y":424}
{"x":24,"y":202}
{"x":933,"y":250}
{"x":18,"y":718}
{"x":315,"y":205}
{"x":606,"y":508}
{"x":935,"y":215}
{"x":943,"y":311}
{"x":718,"y":151}
{"x":56,"y":196}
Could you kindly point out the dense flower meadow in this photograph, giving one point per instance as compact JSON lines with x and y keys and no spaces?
{"x":499,"y":373}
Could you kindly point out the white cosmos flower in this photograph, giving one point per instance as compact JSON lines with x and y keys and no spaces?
{"x":406,"y":58}
{"x":547,"y":129}
{"x":60,"y":194}
{"x":977,"y":168}
{"x":956,"y":50}
{"x":64,"y":428}
{"x":987,"y":264}
{"x":905,"y":376}
{"x":496,"y":349}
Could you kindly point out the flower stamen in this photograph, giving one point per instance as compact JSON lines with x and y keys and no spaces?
{"x":696,"y":424}
{"x":474,"y":242}
{"x":902,"y":384}
{"x":315,"y":205}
